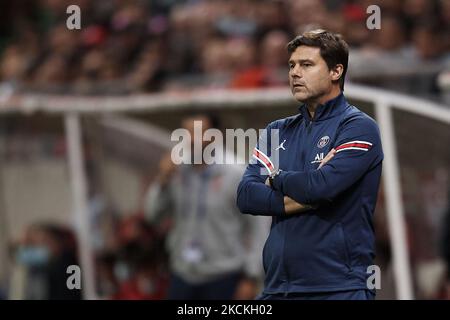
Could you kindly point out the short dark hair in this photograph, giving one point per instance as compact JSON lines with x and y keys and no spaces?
{"x":333,"y":48}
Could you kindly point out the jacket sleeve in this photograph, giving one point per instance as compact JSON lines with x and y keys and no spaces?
{"x":253,"y":196}
{"x":358,"y":146}
{"x":253,"y":233}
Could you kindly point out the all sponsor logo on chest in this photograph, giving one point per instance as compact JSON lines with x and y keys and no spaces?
{"x":318,"y":158}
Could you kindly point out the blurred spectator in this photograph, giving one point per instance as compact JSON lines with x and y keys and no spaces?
{"x":140,"y":272}
{"x":428,"y":41}
{"x":13,"y":64}
{"x":106,"y":281}
{"x":136,"y":269}
{"x":51,"y":72}
{"x":273,"y":49}
{"x":391,"y":37}
{"x":356,"y":32}
{"x":149,"y":71}
{"x":247,"y":71}
{"x":304,"y":13}
{"x":214,"y":250}
{"x":274,"y":56}
{"x":215,"y":59}
{"x":42,"y":258}
{"x":259,"y":67}
{"x":414,"y":10}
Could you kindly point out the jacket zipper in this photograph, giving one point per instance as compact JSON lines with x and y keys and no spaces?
{"x":308,"y":131}
{"x":286,"y":271}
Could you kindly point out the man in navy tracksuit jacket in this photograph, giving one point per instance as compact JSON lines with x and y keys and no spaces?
{"x":321,"y":240}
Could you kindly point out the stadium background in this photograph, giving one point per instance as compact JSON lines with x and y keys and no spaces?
{"x":137,"y":67}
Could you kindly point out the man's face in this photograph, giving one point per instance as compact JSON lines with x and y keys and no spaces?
{"x":188,"y":124}
{"x":309,"y":76}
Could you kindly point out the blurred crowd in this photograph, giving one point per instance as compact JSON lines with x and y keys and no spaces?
{"x":133,"y":46}
{"x":131,"y":266}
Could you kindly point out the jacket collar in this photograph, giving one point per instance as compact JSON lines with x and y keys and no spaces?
{"x":329,"y":109}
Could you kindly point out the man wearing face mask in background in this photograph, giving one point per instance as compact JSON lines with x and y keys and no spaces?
{"x":214,"y":250}
{"x":41,"y":260}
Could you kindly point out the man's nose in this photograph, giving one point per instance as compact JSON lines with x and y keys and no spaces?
{"x":295,"y":73}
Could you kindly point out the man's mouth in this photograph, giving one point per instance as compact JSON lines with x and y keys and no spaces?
{"x":297,"y":86}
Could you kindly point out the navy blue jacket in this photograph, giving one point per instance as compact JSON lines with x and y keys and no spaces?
{"x":328,"y":248}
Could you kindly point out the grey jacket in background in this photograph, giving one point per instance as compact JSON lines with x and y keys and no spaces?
{"x":203,"y":205}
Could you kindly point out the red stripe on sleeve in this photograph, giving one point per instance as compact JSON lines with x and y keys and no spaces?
{"x":357,"y":145}
{"x":263,"y":159}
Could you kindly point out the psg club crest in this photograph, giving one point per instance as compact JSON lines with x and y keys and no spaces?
{"x":323,"y":141}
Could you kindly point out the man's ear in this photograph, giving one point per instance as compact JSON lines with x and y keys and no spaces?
{"x":336,"y":72}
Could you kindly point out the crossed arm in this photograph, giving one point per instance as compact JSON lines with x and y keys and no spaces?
{"x":293,"y":207}
{"x":258,"y":198}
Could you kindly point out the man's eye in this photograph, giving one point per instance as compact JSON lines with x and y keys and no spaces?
{"x":307,"y":65}
{"x":291,"y":66}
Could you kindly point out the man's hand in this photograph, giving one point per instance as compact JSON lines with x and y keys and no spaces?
{"x":246,"y":290}
{"x":290,"y":205}
{"x":327,"y":158}
{"x":293,"y":207}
